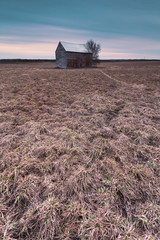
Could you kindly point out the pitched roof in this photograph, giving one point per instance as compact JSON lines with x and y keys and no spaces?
{"x":74,"y":47}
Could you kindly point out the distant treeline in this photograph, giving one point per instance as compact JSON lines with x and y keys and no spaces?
{"x":50,"y":60}
{"x":128,"y":60}
{"x":25,"y":60}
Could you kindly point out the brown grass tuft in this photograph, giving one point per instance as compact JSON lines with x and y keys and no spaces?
{"x":79,"y":152}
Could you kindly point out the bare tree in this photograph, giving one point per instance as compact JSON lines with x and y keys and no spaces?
{"x":94,"y":48}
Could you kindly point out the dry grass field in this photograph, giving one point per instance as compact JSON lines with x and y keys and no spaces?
{"x":80,"y":151}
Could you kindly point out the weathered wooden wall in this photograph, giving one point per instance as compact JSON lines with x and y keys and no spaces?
{"x":72,"y":59}
{"x":61,"y":57}
{"x":78,"y":59}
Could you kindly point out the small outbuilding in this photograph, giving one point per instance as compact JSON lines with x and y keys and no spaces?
{"x":72,"y":55}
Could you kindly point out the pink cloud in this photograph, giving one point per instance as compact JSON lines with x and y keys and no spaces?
{"x":41,"y":42}
{"x":28,"y":50}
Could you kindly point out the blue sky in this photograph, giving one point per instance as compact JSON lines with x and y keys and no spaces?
{"x":124,"y":28}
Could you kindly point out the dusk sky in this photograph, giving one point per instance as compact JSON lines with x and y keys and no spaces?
{"x":124,"y":28}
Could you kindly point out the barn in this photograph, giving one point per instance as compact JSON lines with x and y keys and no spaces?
{"x":72,"y":55}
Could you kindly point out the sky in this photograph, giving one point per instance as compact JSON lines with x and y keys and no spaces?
{"x":125,"y":29}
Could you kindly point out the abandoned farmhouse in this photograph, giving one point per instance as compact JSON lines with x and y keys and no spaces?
{"x":71,"y":55}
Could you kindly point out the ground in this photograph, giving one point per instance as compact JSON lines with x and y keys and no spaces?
{"x":80,"y":151}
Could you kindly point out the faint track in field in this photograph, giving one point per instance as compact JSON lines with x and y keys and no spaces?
{"x":107,"y":75}
{"x":134,"y":86}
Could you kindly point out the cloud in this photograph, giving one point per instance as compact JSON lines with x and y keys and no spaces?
{"x":39,"y":32}
{"x":27,"y":50}
{"x":133,"y":43}
{"x":41,"y":42}
{"x":130,"y":47}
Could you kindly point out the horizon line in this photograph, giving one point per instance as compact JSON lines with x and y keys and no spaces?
{"x":49,"y":59}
